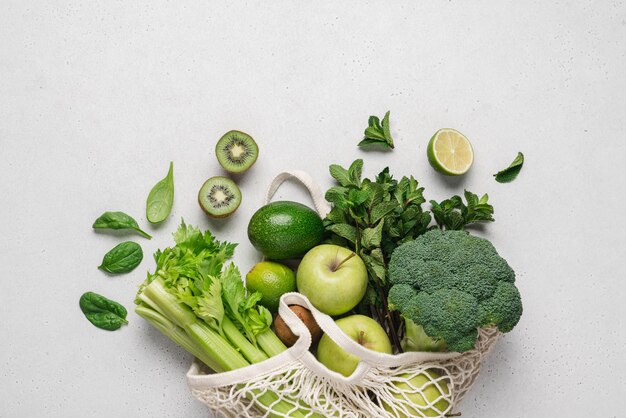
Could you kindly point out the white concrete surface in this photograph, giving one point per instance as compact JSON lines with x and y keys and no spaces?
{"x":97,"y":97}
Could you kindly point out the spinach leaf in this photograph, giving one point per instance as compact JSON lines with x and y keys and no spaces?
{"x":161,"y":198}
{"x":102,"y":312}
{"x":122,"y":258}
{"x":508,"y":174}
{"x":118,"y":220}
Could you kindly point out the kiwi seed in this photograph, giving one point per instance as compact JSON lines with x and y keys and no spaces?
{"x":236,"y":151}
{"x":219,"y":197}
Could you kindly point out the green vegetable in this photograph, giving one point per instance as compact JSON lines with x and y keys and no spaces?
{"x":118,"y":220}
{"x":102,"y":312}
{"x":451,"y":283}
{"x":202,"y":306}
{"x":161,"y":198}
{"x":510,"y":173}
{"x":415,"y":339}
{"x":453,"y":214}
{"x":282,"y":230}
{"x":374,"y":217}
{"x":122,"y":258}
{"x":377,"y":134}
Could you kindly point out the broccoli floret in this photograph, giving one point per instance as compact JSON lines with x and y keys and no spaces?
{"x":503,"y":309}
{"x":451,"y":283}
{"x":449,"y":315}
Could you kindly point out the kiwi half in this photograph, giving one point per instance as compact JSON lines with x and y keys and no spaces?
{"x":219,"y":197}
{"x":236,"y":151}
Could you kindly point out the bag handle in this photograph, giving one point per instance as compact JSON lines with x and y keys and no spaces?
{"x":321,"y":206}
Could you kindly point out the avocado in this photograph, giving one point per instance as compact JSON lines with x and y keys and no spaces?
{"x":285,"y":229}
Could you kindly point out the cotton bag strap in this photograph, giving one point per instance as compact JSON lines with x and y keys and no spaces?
{"x":321,"y":206}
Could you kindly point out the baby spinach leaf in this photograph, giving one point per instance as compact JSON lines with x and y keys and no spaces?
{"x":122,"y":258}
{"x":508,"y":174}
{"x":161,"y":198}
{"x":102,"y":312}
{"x":118,"y":220}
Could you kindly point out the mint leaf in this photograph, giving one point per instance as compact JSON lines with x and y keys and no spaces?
{"x":381,"y":210}
{"x":386,"y":131}
{"x":510,"y":173}
{"x":345,"y":231}
{"x":340,"y":174}
{"x":355,"y":171}
{"x":372,"y":236}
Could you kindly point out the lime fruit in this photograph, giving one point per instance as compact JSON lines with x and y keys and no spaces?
{"x":272,"y":280}
{"x":450,"y":152}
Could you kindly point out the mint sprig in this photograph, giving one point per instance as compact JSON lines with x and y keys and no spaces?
{"x":377,"y":134}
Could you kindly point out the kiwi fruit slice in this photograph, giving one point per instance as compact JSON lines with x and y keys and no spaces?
{"x":219,"y":197}
{"x":236,"y":151}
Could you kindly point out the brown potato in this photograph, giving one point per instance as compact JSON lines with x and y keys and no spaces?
{"x":289,"y":338}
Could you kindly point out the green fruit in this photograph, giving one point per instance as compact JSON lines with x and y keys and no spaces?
{"x":360,"y":328}
{"x":284,"y":229}
{"x":219,"y":197}
{"x":236,"y":151}
{"x":429,"y":390}
{"x":450,"y":152}
{"x":333,"y":278}
{"x":272,"y":280}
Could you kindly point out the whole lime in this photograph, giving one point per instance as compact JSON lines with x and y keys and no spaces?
{"x":272,"y":280}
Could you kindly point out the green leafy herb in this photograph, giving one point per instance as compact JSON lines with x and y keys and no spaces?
{"x":377,"y":133}
{"x":161,"y":198}
{"x":453,"y":214}
{"x":118,"y":220}
{"x":122,"y":258}
{"x":102,"y":312}
{"x":508,"y":174}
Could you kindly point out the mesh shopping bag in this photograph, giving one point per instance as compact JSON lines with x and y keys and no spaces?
{"x":295,"y":384}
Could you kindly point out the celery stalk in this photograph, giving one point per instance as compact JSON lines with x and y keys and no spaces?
{"x":176,"y":334}
{"x":210,"y":341}
{"x":249,"y":351}
{"x":270,"y":343}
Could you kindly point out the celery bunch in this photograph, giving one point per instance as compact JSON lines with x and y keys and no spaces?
{"x":203,"y":307}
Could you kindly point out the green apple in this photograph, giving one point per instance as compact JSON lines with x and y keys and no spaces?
{"x":333,"y":278}
{"x":362,"y":329}
{"x":429,"y":390}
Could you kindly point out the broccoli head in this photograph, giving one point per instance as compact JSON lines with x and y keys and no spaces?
{"x":451,"y":283}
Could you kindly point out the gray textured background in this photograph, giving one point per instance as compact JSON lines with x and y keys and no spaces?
{"x":97,"y":97}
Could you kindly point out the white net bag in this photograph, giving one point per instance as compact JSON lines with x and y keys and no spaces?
{"x":295,"y":384}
